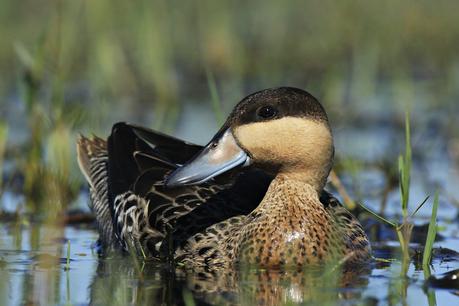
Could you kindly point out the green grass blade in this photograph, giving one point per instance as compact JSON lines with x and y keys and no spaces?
{"x":431,"y":233}
{"x":419,"y":207}
{"x":429,"y":292}
{"x":188,"y":298}
{"x":408,"y":152}
{"x":406,"y":166}
{"x":401,"y":177}
{"x":377,"y":216}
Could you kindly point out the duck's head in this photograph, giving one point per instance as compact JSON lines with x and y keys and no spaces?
{"x":282,"y":131}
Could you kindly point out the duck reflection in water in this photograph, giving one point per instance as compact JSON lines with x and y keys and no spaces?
{"x":118,"y":282}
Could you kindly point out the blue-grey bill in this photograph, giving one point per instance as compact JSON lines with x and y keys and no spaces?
{"x":219,"y":156}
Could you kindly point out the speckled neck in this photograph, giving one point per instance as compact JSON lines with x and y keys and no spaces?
{"x":293,"y":192}
{"x":289,"y":227}
{"x":306,"y":178}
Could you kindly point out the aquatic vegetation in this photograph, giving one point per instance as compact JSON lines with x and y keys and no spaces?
{"x":405,"y":228}
{"x":67,"y":263}
{"x":50,"y":179}
{"x":432,"y":232}
{"x":348,"y":201}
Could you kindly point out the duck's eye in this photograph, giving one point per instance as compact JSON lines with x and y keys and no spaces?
{"x":266,"y":112}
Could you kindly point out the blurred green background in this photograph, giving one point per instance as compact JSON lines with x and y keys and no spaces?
{"x":79,"y":66}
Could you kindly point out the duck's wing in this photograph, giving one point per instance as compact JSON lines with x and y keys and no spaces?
{"x":132,"y":205}
{"x":133,"y":149}
{"x":112,"y":167}
{"x":93,"y":161}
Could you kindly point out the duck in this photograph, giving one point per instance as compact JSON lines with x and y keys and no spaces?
{"x":253,"y":195}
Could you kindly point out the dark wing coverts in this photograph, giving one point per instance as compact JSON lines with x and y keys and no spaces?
{"x":134,"y":208}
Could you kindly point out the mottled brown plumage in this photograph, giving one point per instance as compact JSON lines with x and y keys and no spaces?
{"x":290,"y":227}
{"x":273,"y":213}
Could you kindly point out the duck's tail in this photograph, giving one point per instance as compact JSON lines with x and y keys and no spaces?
{"x":93,"y":161}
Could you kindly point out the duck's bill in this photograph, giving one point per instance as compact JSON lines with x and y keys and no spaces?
{"x":220,"y":155}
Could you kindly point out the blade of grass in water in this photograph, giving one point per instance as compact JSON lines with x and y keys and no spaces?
{"x":67,"y":265}
{"x":188,"y":298}
{"x":405,"y":229}
{"x":419,"y":207}
{"x":377,"y":216}
{"x":405,"y":169}
{"x":67,"y":277}
{"x":429,"y":292}
{"x":349,"y":203}
{"x":431,"y":233}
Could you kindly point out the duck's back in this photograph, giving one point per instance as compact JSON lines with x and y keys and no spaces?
{"x":131,"y":203}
